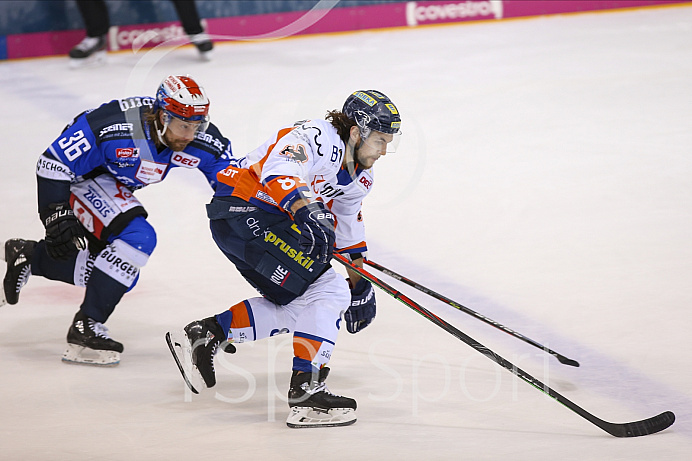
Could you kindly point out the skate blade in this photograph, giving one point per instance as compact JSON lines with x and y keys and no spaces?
{"x":3,"y":299}
{"x":96,"y":59}
{"x":305,"y":417}
{"x":179,"y":345}
{"x":81,"y":355}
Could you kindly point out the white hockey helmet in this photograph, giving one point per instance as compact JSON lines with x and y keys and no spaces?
{"x":181,"y":97}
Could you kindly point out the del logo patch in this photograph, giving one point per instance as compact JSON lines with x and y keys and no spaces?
{"x":365,"y":180}
{"x":184,"y":160}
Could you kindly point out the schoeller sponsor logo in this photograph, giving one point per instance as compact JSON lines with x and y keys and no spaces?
{"x":422,"y":12}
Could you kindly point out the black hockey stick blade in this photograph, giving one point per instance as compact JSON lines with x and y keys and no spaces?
{"x":566,"y":361}
{"x":633,"y":429}
{"x":172,"y":345}
{"x":639,"y":428}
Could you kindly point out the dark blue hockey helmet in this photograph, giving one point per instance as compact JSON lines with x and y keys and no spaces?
{"x":372,"y":110}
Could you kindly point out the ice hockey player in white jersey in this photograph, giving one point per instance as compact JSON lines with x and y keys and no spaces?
{"x":278,"y":214}
{"x":97,"y":235}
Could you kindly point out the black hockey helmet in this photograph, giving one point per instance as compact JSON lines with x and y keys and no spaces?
{"x":372,"y":110}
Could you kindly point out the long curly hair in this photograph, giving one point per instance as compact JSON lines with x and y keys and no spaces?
{"x":342,"y":123}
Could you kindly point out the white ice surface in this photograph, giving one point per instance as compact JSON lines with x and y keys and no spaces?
{"x":544,"y":179}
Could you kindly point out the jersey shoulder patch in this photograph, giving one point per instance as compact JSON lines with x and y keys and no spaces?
{"x":320,"y":134}
{"x":118,"y":119}
{"x":213,"y":142}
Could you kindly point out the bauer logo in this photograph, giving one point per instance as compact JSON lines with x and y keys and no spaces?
{"x":418,"y":13}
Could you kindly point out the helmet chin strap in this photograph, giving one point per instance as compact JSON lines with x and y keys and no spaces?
{"x":160,"y":132}
{"x":364,"y":133}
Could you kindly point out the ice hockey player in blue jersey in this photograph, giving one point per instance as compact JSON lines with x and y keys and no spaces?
{"x":278,"y":214}
{"x":97,"y":233}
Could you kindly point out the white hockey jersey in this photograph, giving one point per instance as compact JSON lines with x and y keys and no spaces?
{"x":304,"y":160}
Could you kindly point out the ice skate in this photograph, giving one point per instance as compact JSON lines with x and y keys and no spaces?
{"x":194,"y":349}
{"x":203,"y":44}
{"x":313,"y":405}
{"x":90,"y":51}
{"x":17,"y":254}
{"x":88,"y":343}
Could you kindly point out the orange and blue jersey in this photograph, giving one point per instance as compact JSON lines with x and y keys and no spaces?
{"x":302,"y":161}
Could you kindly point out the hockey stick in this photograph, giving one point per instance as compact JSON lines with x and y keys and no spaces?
{"x":632,"y":429}
{"x":428,"y":291}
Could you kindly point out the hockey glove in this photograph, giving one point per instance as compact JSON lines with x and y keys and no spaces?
{"x":64,"y":233}
{"x":316,"y":225}
{"x":363,"y":306}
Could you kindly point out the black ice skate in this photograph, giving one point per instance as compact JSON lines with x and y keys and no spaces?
{"x":313,"y":405}
{"x":204,"y":45}
{"x":18,"y":254}
{"x":194,"y":349}
{"x":88,"y":343}
{"x":91,"y":50}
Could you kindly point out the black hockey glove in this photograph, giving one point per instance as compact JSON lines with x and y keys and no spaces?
{"x":64,"y":233}
{"x":316,"y":225}
{"x":363,"y":306}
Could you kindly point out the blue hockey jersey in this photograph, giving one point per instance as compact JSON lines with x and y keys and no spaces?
{"x":113,"y":138}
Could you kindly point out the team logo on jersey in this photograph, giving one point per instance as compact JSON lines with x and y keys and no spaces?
{"x":295,"y":153}
{"x":185,"y":160}
{"x":127,"y":152}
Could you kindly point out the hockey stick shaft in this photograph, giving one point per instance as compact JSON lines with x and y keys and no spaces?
{"x":564,"y":360}
{"x":632,"y":429}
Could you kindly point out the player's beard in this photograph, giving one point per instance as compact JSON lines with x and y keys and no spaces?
{"x":175,"y":145}
{"x":361,"y":163}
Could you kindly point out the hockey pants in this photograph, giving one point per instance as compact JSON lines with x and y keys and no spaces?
{"x":107,"y":275}
{"x":300,"y":296}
